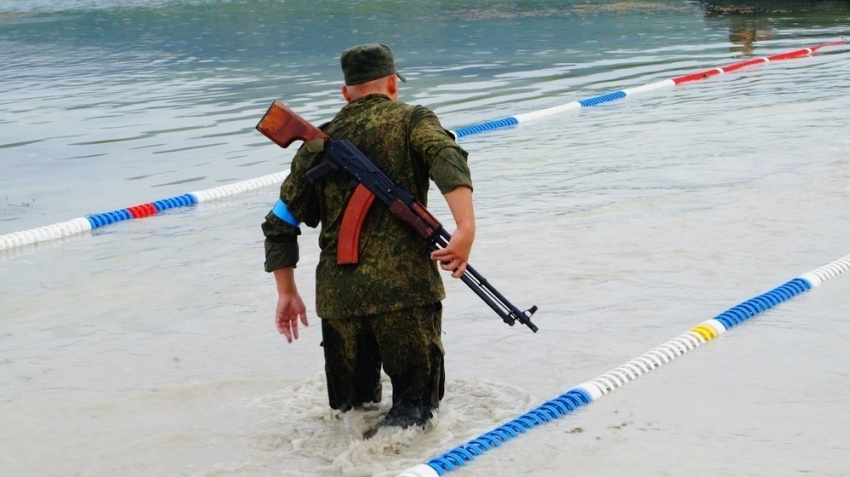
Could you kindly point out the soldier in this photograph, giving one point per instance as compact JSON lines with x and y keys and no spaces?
{"x":385,"y":310}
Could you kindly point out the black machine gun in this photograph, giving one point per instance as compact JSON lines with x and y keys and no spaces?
{"x":283,"y":126}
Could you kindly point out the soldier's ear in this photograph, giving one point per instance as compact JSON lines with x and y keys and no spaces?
{"x":346,"y":94}
{"x":392,"y":86}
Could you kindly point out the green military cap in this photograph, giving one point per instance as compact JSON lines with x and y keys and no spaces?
{"x":364,"y":63}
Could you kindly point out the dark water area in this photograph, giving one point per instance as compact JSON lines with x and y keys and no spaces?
{"x":772,"y":6}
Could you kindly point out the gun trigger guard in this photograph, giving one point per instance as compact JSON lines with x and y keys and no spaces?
{"x":316,"y":145}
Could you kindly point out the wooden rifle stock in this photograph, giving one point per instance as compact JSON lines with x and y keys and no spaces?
{"x":283,"y":126}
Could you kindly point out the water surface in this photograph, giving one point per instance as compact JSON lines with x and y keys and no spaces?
{"x":148,"y":348}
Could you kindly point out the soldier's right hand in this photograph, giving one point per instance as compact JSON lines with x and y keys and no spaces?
{"x":290,"y":308}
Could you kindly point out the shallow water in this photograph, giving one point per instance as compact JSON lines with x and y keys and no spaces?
{"x":148,"y":348}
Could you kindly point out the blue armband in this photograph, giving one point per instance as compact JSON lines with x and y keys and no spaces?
{"x":284,"y":214}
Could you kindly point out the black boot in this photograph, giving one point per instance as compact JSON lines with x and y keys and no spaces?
{"x":406,"y":416}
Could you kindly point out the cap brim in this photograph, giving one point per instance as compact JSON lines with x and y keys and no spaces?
{"x":401,"y":77}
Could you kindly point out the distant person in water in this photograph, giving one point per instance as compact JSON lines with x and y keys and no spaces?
{"x":385,"y":310}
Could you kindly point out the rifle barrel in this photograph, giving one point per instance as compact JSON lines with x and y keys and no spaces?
{"x":487,"y":292}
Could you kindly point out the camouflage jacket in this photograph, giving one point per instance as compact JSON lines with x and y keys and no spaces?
{"x":395,"y":271}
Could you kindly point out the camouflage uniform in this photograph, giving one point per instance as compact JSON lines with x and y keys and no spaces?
{"x":385,"y":309}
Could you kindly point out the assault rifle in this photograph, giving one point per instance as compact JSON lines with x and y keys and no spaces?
{"x":283,"y":126}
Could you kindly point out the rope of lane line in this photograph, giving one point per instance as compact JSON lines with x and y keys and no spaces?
{"x":606,"y":383}
{"x":85,"y":224}
{"x":512,"y":121}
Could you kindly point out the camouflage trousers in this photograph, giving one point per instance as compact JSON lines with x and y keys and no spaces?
{"x":405,"y":342}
